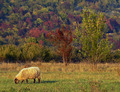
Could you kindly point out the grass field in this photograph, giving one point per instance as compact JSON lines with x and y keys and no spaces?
{"x":55,"y":77}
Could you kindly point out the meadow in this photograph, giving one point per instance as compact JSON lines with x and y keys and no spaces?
{"x":55,"y":77}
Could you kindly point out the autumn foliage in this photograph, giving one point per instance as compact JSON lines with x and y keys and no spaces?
{"x":62,"y":40}
{"x":35,"y":32}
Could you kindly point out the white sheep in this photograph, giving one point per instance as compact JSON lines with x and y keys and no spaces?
{"x":28,"y":73}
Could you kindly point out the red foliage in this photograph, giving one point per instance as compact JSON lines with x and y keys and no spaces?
{"x":44,"y":31}
{"x":51,"y":13}
{"x":62,"y":38}
{"x":4,"y":26}
{"x":1,"y":12}
{"x":20,"y":23}
{"x":21,"y":10}
{"x":70,"y":16}
{"x":116,"y":43}
{"x":49,"y":25}
{"x":112,"y":23}
{"x":41,"y":42}
{"x":78,"y":18}
{"x":35,"y":32}
{"x":28,"y":20}
{"x":15,"y":10}
{"x":44,"y":16}
{"x":109,"y":24}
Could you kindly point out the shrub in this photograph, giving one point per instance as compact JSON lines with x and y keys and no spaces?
{"x":30,"y":51}
{"x":113,"y":56}
{"x":10,"y":52}
{"x":45,"y":55}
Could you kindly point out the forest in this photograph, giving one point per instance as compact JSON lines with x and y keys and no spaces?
{"x":60,"y":30}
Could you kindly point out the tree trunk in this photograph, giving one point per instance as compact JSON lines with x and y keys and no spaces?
{"x":94,"y":63}
{"x":64,"y":59}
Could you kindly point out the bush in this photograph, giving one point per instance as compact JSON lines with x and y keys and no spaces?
{"x":113,"y":56}
{"x":116,"y":55}
{"x":10,"y":52}
{"x":27,"y":52}
{"x":45,"y":55}
{"x":30,"y":51}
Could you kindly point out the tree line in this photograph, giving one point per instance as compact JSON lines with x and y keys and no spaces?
{"x":18,"y":18}
{"x":88,"y":41}
{"x":61,"y":28}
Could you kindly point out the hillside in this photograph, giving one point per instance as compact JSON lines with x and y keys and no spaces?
{"x":24,"y":21}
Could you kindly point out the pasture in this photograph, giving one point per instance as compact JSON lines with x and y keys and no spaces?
{"x":55,"y":77}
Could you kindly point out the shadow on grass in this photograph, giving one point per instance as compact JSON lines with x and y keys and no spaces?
{"x":48,"y":81}
{"x":42,"y":82}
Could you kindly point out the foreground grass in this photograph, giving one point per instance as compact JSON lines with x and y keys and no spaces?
{"x":58,"y":78}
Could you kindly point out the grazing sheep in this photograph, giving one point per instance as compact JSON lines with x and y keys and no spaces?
{"x":28,"y":73}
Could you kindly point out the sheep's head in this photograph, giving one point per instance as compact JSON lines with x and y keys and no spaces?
{"x":16,"y":81}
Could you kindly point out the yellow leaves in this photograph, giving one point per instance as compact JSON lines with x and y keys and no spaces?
{"x":15,"y":28}
{"x":74,"y":23}
{"x":44,"y":10}
{"x":35,"y":12}
{"x":62,"y":2}
{"x":24,"y":24}
{"x":12,"y":1}
{"x":27,"y":15}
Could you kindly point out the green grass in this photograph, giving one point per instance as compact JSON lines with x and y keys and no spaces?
{"x":64,"y":80}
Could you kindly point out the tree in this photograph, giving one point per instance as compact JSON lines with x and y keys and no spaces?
{"x":31,"y":40}
{"x":34,"y":32}
{"x":62,"y":40}
{"x":38,"y":22}
{"x":94,"y":44}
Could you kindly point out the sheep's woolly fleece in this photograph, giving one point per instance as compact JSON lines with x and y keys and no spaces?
{"x":28,"y":73}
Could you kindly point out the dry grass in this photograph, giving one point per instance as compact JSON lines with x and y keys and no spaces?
{"x":55,"y":67}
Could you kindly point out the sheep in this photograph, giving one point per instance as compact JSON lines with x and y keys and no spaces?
{"x":28,"y":73}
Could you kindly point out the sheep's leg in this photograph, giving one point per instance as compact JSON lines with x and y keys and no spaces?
{"x":22,"y":81}
{"x":39,"y":80}
{"x":34,"y":80}
{"x":27,"y":80}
